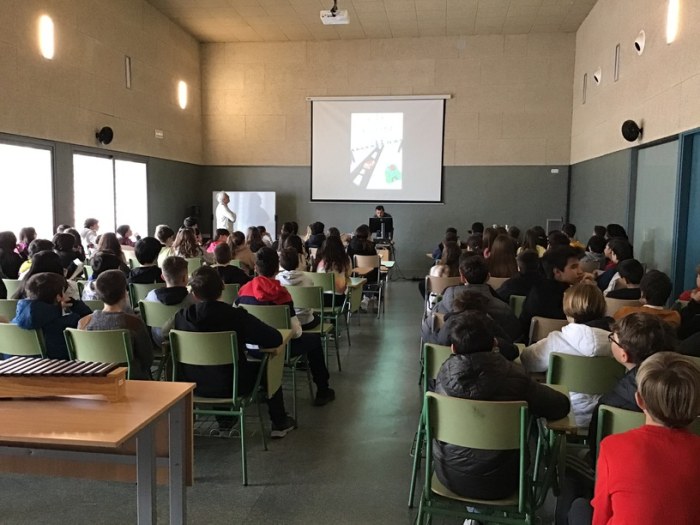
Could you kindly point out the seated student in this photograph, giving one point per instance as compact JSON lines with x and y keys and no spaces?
{"x":47,"y":308}
{"x":100,"y":262}
{"x":633,"y":339}
{"x":111,"y":288}
{"x":618,"y":250}
{"x":266,"y":237}
{"x":9,"y":260}
{"x":600,"y":231}
{"x":569,"y":230}
{"x":532,"y":242}
{"x":26,"y":236}
{"x":317,"y":236}
{"x":47,"y":261}
{"x":502,"y":261}
{"x":360,"y":244}
{"x":36,"y":246}
{"x":584,"y":305}
{"x":186,"y":244}
{"x":651,"y":474}
{"x":146,"y":251}
{"x":561,"y":268}
{"x":557,"y":238}
{"x":655,"y":289}
{"x":175,"y":274}
{"x":208,"y":314}
{"x":474,"y":244}
{"x":221,"y":235}
{"x":124,"y":234}
{"x":687,"y":295}
{"x":241,"y":252}
{"x":294,"y":241}
{"x":465,"y":302}
{"x":475,"y":371}
{"x":266,"y":290}
{"x":63,"y":244}
{"x":332,"y":258}
{"x":514,"y":233}
{"x":450,"y":236}
{"x":474,"y":274}
{"x":290,"y":276}
{"x":528,"y":262}
{"x":630,"y":273}
{"x":447,"y":267}
{"x":166,"y":236}
{"x":254,"y":239}
{"x":229,"y":274}
{"x":595,"y":251}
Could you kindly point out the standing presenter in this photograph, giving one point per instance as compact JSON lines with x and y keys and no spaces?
{"x":224,"y":216}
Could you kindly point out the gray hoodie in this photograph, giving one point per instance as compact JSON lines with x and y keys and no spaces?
{"x":297,"y":278}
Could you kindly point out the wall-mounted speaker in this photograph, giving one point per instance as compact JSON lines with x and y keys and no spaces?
{"x":631,"y":131}
{"x":639,"y":42}
{"x":105,"y":135}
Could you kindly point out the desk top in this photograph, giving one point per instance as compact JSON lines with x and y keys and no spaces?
{"x":565,"y":425}
{"x":87,"y":421}
{"x":357,"y":281}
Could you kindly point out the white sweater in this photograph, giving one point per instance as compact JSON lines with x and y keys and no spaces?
{"x":574,"y":339}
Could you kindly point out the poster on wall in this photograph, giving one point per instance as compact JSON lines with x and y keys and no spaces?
{"x":251,"y":208}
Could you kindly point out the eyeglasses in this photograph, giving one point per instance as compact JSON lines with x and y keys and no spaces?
{"x":613,"y":340}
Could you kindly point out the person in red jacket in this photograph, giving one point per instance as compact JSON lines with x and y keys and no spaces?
{"x":652,"y":474}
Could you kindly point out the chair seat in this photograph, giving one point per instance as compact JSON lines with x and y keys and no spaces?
{"x":441,"y":490}
{"x":212,"y":400}
{"x":327,"y":327}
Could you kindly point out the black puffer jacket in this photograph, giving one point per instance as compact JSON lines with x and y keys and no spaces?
{"x":488,"y":376}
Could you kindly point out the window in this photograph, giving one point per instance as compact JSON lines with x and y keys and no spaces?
{"x":112,"y":191}
{"x":27,"y":190}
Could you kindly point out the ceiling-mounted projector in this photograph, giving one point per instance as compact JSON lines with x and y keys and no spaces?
{"x":332,"y":18}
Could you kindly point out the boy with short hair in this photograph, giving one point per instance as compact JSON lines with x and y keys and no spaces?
{"x":652,"y":474}
{"x":290,"y":276}
{"x":475,"y":371}
{"x":146,"y":251}
{"x":48,"y":309}
{"x":111,"y":288}
{"x":631,"y":272}
{"x":229,"y":274}
{"x":655,"y":289}
{"x":528,"y":274}
{"x":266,"y":290}
{"x":208,"y":314}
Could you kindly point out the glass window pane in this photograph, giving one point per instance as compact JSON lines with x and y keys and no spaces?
{"x":27,"y":191}
{"x":132,"y":201}
{"x":93,"y":189}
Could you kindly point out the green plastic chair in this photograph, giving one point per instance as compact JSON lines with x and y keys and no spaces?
{"x":586,"y":375}
{"x":230,"y":293}
{"x":12,"y":286}
{"x":612,"y":420}
{"x":95,"y":304}
{"x":216,"y":349}
{"x":8,"y":308}
{"x":156,"y":315}
{"x":312,"y":297}
{"x":278,"y":317}
{"x":100,"y":346}
{"x":486,"y":425}
{"x":516,"y":304}
{"x":88,"y":271}
{"x":131,"y":260}
{"x":327,"y":282}
{"x":236,"y":263}
{"x":192,"y":264}
{"x":138,"y":292}
{"x":433,"y":358}
{"x":21,"y":342}
{"x":372,"y":288}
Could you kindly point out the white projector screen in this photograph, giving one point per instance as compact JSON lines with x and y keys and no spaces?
{"x":377,"y":150}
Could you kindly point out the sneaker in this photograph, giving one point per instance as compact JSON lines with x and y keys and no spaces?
{"x":279,"y":431}
{"x":324,"y":397}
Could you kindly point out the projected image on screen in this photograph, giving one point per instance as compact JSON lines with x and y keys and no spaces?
{"x":376,"y":158}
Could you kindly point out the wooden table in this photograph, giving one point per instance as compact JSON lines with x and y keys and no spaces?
{"x":146,"y":437}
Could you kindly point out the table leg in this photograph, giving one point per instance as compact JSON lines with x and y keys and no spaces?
{"x":176,"y":471}
{"x":146,"y":477}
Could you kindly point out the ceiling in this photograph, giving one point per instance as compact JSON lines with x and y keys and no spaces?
{"x":298,"y":20}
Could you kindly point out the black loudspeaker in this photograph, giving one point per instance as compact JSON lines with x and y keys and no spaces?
{"x":631,"y":131}
{"x":105,"y":135}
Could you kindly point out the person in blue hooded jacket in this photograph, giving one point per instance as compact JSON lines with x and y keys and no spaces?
{"x":49,"y":310}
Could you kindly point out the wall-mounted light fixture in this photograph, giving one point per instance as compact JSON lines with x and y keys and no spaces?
{"x":46,"y":37}
{"x":672,"y":18}
{"x":182,"y":94}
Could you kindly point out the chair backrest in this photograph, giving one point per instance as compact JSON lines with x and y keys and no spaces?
{"x":230,"y":293}
{"x":138,"y":292}
{"x":496,"y":282}
{"x":82,"y":283}
{"x":586,"y":375}
{"x":384,"y":254}
{"x":516,"y":304}
{"x":88,"y":271}
{"x":156,"y":314}
{"x":8,"y":308}
{"x":18,"y":341}
{"x":130,"y":255}
{"x":192,"y":264}
{"x":439,"y":284}
{"x":95,"y":304}
{"x":613,"y":305}
{"x":354,"y":298}
{"x":367,"y":261}
{"x":433,"y":358}
{"x":100,"y":346}
{"x":306,"y":296}
{"x":276,"y":316}
{"x":324,"y":280}
{"x":541,"y":326}
{"x":12,"y":285}
{"x":236,"y":263}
